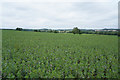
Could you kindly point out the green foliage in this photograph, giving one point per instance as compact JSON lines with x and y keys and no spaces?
{"x":55,"y":31}
{"x":76,"y":31}
{"x":35,"y":30}
{"x":119,"y":33}
{"x":101,"y":32}
{"x":19,"y":29}
{"x":48,"y":55}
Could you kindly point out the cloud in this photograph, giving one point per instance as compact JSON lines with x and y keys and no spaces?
{"x":59,"y":14}
{"x":60,"y":0}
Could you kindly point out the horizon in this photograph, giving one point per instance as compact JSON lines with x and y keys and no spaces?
{"x":59,"y":28}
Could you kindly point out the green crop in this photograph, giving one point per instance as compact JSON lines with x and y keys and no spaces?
{"x":28,"y":54}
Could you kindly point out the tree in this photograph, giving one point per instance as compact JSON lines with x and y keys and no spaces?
{"x":119,"y":33}
{"x":76,"y":31}
{"x":55,"y":31}
{"x":39,"y":30}
{"x":19,"y":29}
{"x":35,"y":30}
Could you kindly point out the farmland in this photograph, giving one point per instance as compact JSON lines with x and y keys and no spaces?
{"x":27,"y":54}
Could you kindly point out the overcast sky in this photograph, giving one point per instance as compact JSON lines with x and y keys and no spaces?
{"x":60,"y":15}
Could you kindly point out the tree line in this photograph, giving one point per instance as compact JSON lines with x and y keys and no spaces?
{"x":75,"y":30}
{"x":101,"y":32}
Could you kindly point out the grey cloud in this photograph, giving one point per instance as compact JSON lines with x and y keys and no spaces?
{"x":59,"y":15}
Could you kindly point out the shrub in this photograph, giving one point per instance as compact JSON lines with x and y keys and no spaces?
{"x":19,"y":29}
{"x":76,"y":31}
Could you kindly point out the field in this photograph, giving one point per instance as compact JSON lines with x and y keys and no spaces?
{"x":28,"y":54}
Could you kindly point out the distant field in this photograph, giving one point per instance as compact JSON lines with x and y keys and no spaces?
{"x":60,"y":55}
